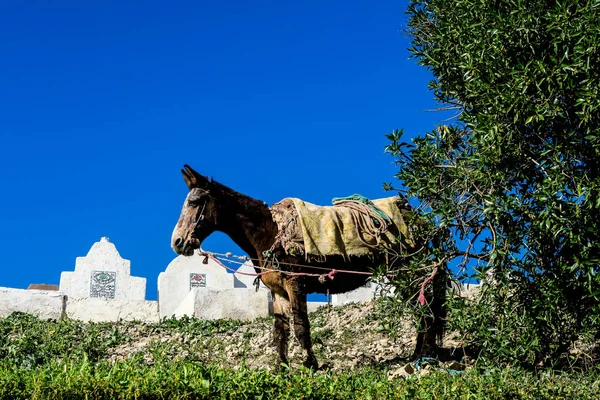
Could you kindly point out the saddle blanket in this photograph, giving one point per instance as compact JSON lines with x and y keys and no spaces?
{"x":347,"y":228}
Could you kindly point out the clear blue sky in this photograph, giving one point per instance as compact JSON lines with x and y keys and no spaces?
{"x":103,"y":102}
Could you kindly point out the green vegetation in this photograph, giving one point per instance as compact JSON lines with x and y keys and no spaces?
{"x":512,"y":187}
{"x":26,"y":342}
{"x":130,"y":380}
{"x":69,"y":360}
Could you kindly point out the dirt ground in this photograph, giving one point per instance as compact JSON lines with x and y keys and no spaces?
{"x":344,"y":338}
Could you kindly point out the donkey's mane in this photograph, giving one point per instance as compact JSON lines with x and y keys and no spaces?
{"x":233,"y":196}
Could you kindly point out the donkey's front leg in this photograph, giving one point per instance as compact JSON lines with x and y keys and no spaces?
{"x":301,"y":324}
{"x":281,"y":327}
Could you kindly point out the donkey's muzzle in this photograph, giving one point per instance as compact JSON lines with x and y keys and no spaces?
{"x":185,"y":247}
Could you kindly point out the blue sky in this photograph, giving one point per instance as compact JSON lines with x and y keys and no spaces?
{"x":103,"y":102}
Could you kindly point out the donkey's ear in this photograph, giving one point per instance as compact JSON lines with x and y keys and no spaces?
{"x":189,"y":180}
{"x":195,"y":178}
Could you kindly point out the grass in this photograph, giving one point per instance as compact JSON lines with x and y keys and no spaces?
{"x":69,"y":360}
{"x":131,"y":379}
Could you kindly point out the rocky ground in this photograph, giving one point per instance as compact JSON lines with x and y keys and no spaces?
{"x":344,"y":338}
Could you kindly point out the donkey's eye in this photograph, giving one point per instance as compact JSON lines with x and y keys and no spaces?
{"x":194,"y":201}
{"x":197,"y":197}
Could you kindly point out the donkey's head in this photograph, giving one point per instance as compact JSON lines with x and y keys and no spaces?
{"x":198,"y":217}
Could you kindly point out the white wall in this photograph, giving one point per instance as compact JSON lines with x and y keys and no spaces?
{"x":45,"y":304}
{"x":174,"y":282}
{"x":103,"y":260}
{"x":246,"y":304}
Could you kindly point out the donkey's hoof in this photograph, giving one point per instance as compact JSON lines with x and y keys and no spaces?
{"x":311,"y":363}
{"x":326,"y":367}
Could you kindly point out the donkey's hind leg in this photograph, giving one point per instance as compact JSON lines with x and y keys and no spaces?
{"x":426,"y":343}
{"x":301,"y":324}
{"x":432,"y":327}
{"x":281,"y":326}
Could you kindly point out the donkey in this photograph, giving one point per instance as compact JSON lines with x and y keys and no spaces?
{"x":211,"y":206}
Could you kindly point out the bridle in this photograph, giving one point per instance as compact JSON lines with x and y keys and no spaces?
{"x":200,"y":217}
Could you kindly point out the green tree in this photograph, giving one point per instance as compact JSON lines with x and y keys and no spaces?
{"x":516,"y":177}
